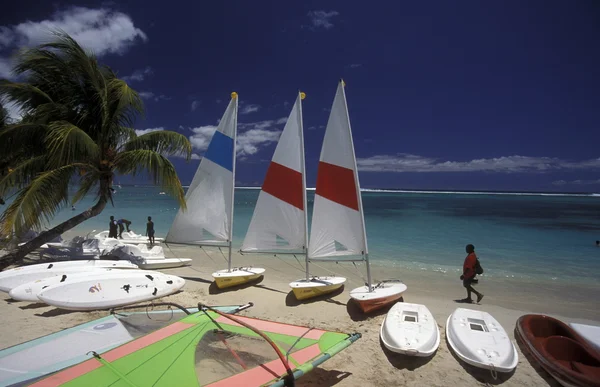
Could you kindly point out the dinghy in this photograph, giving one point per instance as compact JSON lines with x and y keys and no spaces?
{"x":208,"y":220}
{"x":29,"y":291}
{"x":111,"y":291}
{"x":591,"y":333}
{"x":410,"y":329}
{"x":560,"y":350}
{"x":86,"y":249}
{"x":128,"y":237}
{"x":20,"y":275}
{"x":479,"y":340}
{"x":148,"y":260}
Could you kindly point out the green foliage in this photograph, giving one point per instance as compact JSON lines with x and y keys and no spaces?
{"x":76,"y":127}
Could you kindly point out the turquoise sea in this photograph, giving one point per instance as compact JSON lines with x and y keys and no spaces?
{"x":530,"y":236}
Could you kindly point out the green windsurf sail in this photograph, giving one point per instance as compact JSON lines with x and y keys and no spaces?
{"x":209,"y":348}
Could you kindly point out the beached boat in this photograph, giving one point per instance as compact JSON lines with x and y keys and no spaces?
{"x":209,"y":348}
{"x":12,"y":278}
{"x":560,"y":350}
{"x":591,"y":333}
{"x":86,"y":249}
{"x":479,"y":340}
{"x":279,"y":223}
{"x":338,"y":228}
{"x":148,"y":259}
{"x":24,"y":363}
{"x":128,"y":237}
{"x":410,"y":329}
{"x":208,"y":220}
{"x":111,"y":291}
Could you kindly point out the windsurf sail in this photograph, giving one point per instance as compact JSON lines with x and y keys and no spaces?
{"x":25,"y":363}
{"x":209,"y":348}
{"x":208,"y":220}
{"x":279,"y":219}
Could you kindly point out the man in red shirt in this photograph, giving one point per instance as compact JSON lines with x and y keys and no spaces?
{"x":469,"y":274}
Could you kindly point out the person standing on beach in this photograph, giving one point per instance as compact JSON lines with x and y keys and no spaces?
{"x":150,"y":230}
{"x":112,"y":228}
{"x":469,"y":274}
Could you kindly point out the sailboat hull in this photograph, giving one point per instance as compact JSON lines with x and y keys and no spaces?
{"x":237,"y":276}
{"x":380,"y":296}
{"x":316,"y":286}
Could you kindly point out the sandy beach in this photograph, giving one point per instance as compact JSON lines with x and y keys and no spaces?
{"x":366,"y":362}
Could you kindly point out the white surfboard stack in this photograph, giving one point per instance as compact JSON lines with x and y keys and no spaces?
{"x":87,"y":285}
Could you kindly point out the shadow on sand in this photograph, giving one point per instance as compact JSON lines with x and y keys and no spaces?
{"x":404,"y":362}
{"x":481,"y":375}
{"x":34,"y":305}
{"x":56,"y":312}
{"x":321,"y":377}
{"x":356,"y":314}
{"x":463,"y":301}
{"x":197,"y":279}
{"x":213,"y":289}
{"x":291,"y":300}
{"x":534,"y":364}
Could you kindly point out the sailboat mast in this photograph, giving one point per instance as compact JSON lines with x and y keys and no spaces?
{"x":356,"y":182}
{"x":303,"y":170}
{"x":233,"y":96}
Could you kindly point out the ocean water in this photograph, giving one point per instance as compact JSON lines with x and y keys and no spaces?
{"x":544,"y":237}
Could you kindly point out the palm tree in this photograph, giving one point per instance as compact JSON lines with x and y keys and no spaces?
{"x":77,"y":128}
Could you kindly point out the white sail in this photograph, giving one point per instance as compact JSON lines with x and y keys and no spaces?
{"x":208,"y":218}
{"x":279,"y":219}
{"x":337,"y":227}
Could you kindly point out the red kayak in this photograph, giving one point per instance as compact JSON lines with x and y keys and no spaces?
{"x":561,"y":351}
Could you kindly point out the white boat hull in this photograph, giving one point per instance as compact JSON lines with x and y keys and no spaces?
{"x":410,"y":329}
{"x":316,"y":286}
{"x":164,"y":263}
{"x":236,"y":276}
{"x":12,"y":278}
{"x":379,"y":296}
{"x":479,"y":340}
{"x":111,"y":291}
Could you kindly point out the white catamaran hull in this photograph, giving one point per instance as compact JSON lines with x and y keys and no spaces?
{"x":237,"y":276}
{"x":316,"y":286}
{"x":410,"y":329}
{"x":380,"y":296}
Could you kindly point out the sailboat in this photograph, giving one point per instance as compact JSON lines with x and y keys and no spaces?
{"x":338,"y":224}
{"x":279,"y":222}
{"x":208,"y":220}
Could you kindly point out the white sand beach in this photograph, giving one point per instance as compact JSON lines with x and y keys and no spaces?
{"x":365,"y":363}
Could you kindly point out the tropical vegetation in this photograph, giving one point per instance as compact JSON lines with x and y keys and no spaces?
{"x":76,"y":129}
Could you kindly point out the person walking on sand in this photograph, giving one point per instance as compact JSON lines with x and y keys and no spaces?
{"x":150,"y":230}
{"x":122,"y":222}
{"x":112,"y":228}
{"x":469,"y":274}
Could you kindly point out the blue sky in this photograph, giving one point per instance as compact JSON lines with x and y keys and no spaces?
{"x":442,"y":94}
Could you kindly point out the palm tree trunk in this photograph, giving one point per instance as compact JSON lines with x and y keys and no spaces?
{"x":49,"y":235}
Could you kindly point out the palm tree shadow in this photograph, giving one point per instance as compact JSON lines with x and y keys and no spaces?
{"x":34,"y":305}
{"x":404,"y":362}
{"x":56,"y":312}
{"x":214,"y":289}
{"x":534,"y":363}
{"x":481,"y":375}
{"x":356,"y":314}
{"x":321,"y":377}
{"x":291,"y":300}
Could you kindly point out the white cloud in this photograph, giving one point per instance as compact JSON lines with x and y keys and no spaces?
{"x":138,"y":75}
{"x":247,"y":109}
{"x":150,"y":95}
{"x":321,"y":19}
{"x":282,"y":120}
{"x":5,"y":67}
{"x":195,"y":105}
{"x":101,"y":31}
{"x":14,"y":111}
{"x":355,"y":65}
{"x":218,"y":101}
{"x":505,"y":164}
{"x":195,"y":157}
{"x":286,"y":103}
{"x":251,"y":136}
{"x":139,"y":132}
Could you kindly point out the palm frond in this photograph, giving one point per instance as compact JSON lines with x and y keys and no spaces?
{"x":23,"y":94}
{"x":22,"y":174}
{"x":164,"y":142}
{"x":158,"y":166}
{"x":37,"y":203}
{"x":68,"y":143}
{"x":17,"y":136}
